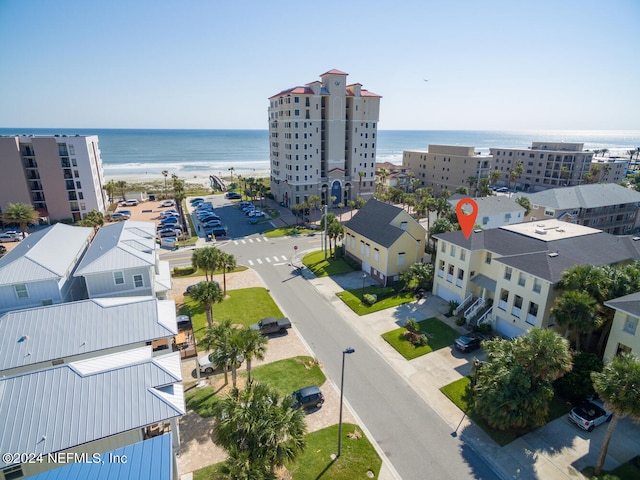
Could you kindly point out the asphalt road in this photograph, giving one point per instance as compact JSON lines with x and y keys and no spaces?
{"x":414,"y":438}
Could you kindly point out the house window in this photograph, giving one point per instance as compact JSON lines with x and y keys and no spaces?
{"x":401,"y":258}
{"x":521,"y":279}
{"x":504,"y":298}
{"x":485,"y":220}
{"x":10,"y":473}
{"x":362,"y":247}
{"x":118,"y":278}
{"x":507,"y":273}
{"x":367,"y":251}
{"x":443,"y":247}
{"x":453,"y":251}
{"x":21,"y":291}
{"x":376,"y":254}
{"x":630,"y":325}
{"x":137,"y":281}
{"x":517,"y":306}
{"x":537,"y":285}
{"x":532,"y":313}
{"x":549,"y":212}
{"x":403,"y":225}
{"x":487,"y":259}
{"x":463,"y":254}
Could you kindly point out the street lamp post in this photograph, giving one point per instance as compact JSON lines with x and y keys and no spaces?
{"x":344,"y":352}
{"x":364,"y":277}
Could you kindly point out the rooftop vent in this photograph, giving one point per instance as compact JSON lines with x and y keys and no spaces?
{"x":540,"y":231}
{"x":477,"y":230}
{"x":553,"y":254}
{"x":635,"y":239}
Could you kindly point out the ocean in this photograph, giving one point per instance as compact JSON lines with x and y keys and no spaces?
{"x":138,"y":151}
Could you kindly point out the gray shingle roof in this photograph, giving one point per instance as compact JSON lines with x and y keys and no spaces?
{"x":490,"y":205}
{"x":88,"y":400}
{"x":629,"y":304}
{"x":75,"y":328}
{"x":373,"y":222}
{"x":584,"y":196}
{"x":44,"y":255}
{"x":532,"y":255}
{"x":120,"y":246}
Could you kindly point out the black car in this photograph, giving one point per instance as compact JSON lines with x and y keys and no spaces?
{"x":233,"y":196}
{"x":191,"y":287}
{"x":307,"y":397}
{"x":467,"y":344}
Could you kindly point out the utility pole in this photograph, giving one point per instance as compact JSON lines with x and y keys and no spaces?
{"x":326,"y":211}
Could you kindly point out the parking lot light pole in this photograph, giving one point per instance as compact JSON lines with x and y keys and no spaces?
{"x":344,"y":352}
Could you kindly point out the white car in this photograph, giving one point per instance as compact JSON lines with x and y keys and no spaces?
{"x":167,"y":203}
{"x":129,"y":203}
{"x":207,"y":367}
{"x":6,"y":238}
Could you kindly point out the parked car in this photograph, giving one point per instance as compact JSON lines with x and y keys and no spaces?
{"x":502,"y":190}
{"x":129,"y":203}
{"x":6,"y":238}
{"x":196,"y":200}
{"x":271,"y":325}
{"x":207,"y":367}
{"x":167,"y":203}
{"x":191,"y":287}
{"x":3,"y":249}
{"x":307,"y":397}
{"x":589,"y":415}
{"x":169,"y":213}
{"x":169,"y":233}
{"x":212,"y":224}
{"x":184,"y":322}
{"x":467,"y":344}
{"x":216,"y":231}
{"x":117,"y":216}
{"x":125,"y":212}
{"x":169,"y":220}
{"x":233,"y":196}
{"x":208,"y":216}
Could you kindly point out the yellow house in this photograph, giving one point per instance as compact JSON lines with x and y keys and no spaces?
{"x":625,"y":335}
{"x":385,"y":240}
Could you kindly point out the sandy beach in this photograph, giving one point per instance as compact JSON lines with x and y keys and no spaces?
{"x":192,"y":177}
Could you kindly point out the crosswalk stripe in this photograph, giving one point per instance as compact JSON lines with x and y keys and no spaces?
{"x":267,"y":259}
{"x":265,"y":239}
{"x":258,"y":239}
{"x":259,"y":261}
{"x":275,"y":259}
{"x":251,"y":240}
{"x":284,"y":258}
{"x":250,"y":263}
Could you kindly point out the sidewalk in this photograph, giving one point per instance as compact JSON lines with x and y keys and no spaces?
{"x":555,"y":451}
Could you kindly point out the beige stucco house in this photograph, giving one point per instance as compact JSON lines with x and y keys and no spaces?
{"x":624,"y":335}
{"x":385,"y":240}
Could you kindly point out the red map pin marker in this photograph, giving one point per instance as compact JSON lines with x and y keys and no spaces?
{"x":467,"y":220}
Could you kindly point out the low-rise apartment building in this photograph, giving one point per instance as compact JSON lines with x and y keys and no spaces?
{"x":493,"y":212}
{"x":554,"y":164}
{"x":447,"y":167}
{"x":389,"y":175}
{"x":609,"y":207}
{"x":624,"y":336}
{"x":60,"y":175}
{"x":505,"y":276}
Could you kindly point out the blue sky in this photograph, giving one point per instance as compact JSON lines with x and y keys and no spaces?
{"x":491,"y":65}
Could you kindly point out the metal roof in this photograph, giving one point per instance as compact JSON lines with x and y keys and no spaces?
{"x":120,"y":246}
{"x":83,"y":408}
{"x":373,"y":221}
{"x":48,"y":254}
{"x":489,"y":205}
{"x":584,"y":196}
{"x":148,"y":460}
{"x":63,"y":330}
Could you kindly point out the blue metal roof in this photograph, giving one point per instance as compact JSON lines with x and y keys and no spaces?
{"x":148,"y":460}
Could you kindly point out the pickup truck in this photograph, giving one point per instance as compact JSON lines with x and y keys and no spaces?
{"x":270,"y":325}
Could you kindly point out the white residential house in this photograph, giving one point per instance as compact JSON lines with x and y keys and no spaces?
{"x":625,"y":334}
{"x":37,"y":338}
{"x":39,"y":271}
{"x":89,"y":406}
{"x":505,"y":276}
{"x":122,"y":261}
{"x":493,"y":212}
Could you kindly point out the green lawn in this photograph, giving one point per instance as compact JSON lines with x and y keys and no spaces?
{"x":290,"y":231}
{"x":387,"y":298}
{"x":201,"y":400}
{"x":320,"y":267}
{"x":244,"y":306}
{"x":285,"y":376}
{"x":288,"y":375}
{"x":356,"y":459}
{"x":200,"y":273}
{"x":440,"y":335}
{"x":627,"y":471}
{"x":459,"y":392}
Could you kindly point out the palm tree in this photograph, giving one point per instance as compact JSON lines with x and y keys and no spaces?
{"x":313,"y":202}
{"x":207,"y":293}
{"x":516,"y":172}
{"x":207,"y":259}
{"x":21,"y":213}
{"x":472,"y":181}
{"x":604,"y":151}
{"x":231,"y":169}
{"x":495,"y":176}
{"x":179,"y":195}
{"x":578,"y":312}
{"x":483,"y":188}
{"x":253,"y":345}
{"x":165,"y":173}
{"x":525,"y":203}
{"x":256,"y":425}
{"x":619,"y":386}
{"x":110,"y":187}
{"x":335,"y":232}
{"x":226,"y":262}
{"x":588,"y":278}
{"x":361,"y":174}
{"x":93,"y":219}
{"x":122,"y":186}
{"x":219,"y":338}
{"x":352,"y":205}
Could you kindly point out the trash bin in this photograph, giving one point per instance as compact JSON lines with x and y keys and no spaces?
{"x":152,"y":197}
